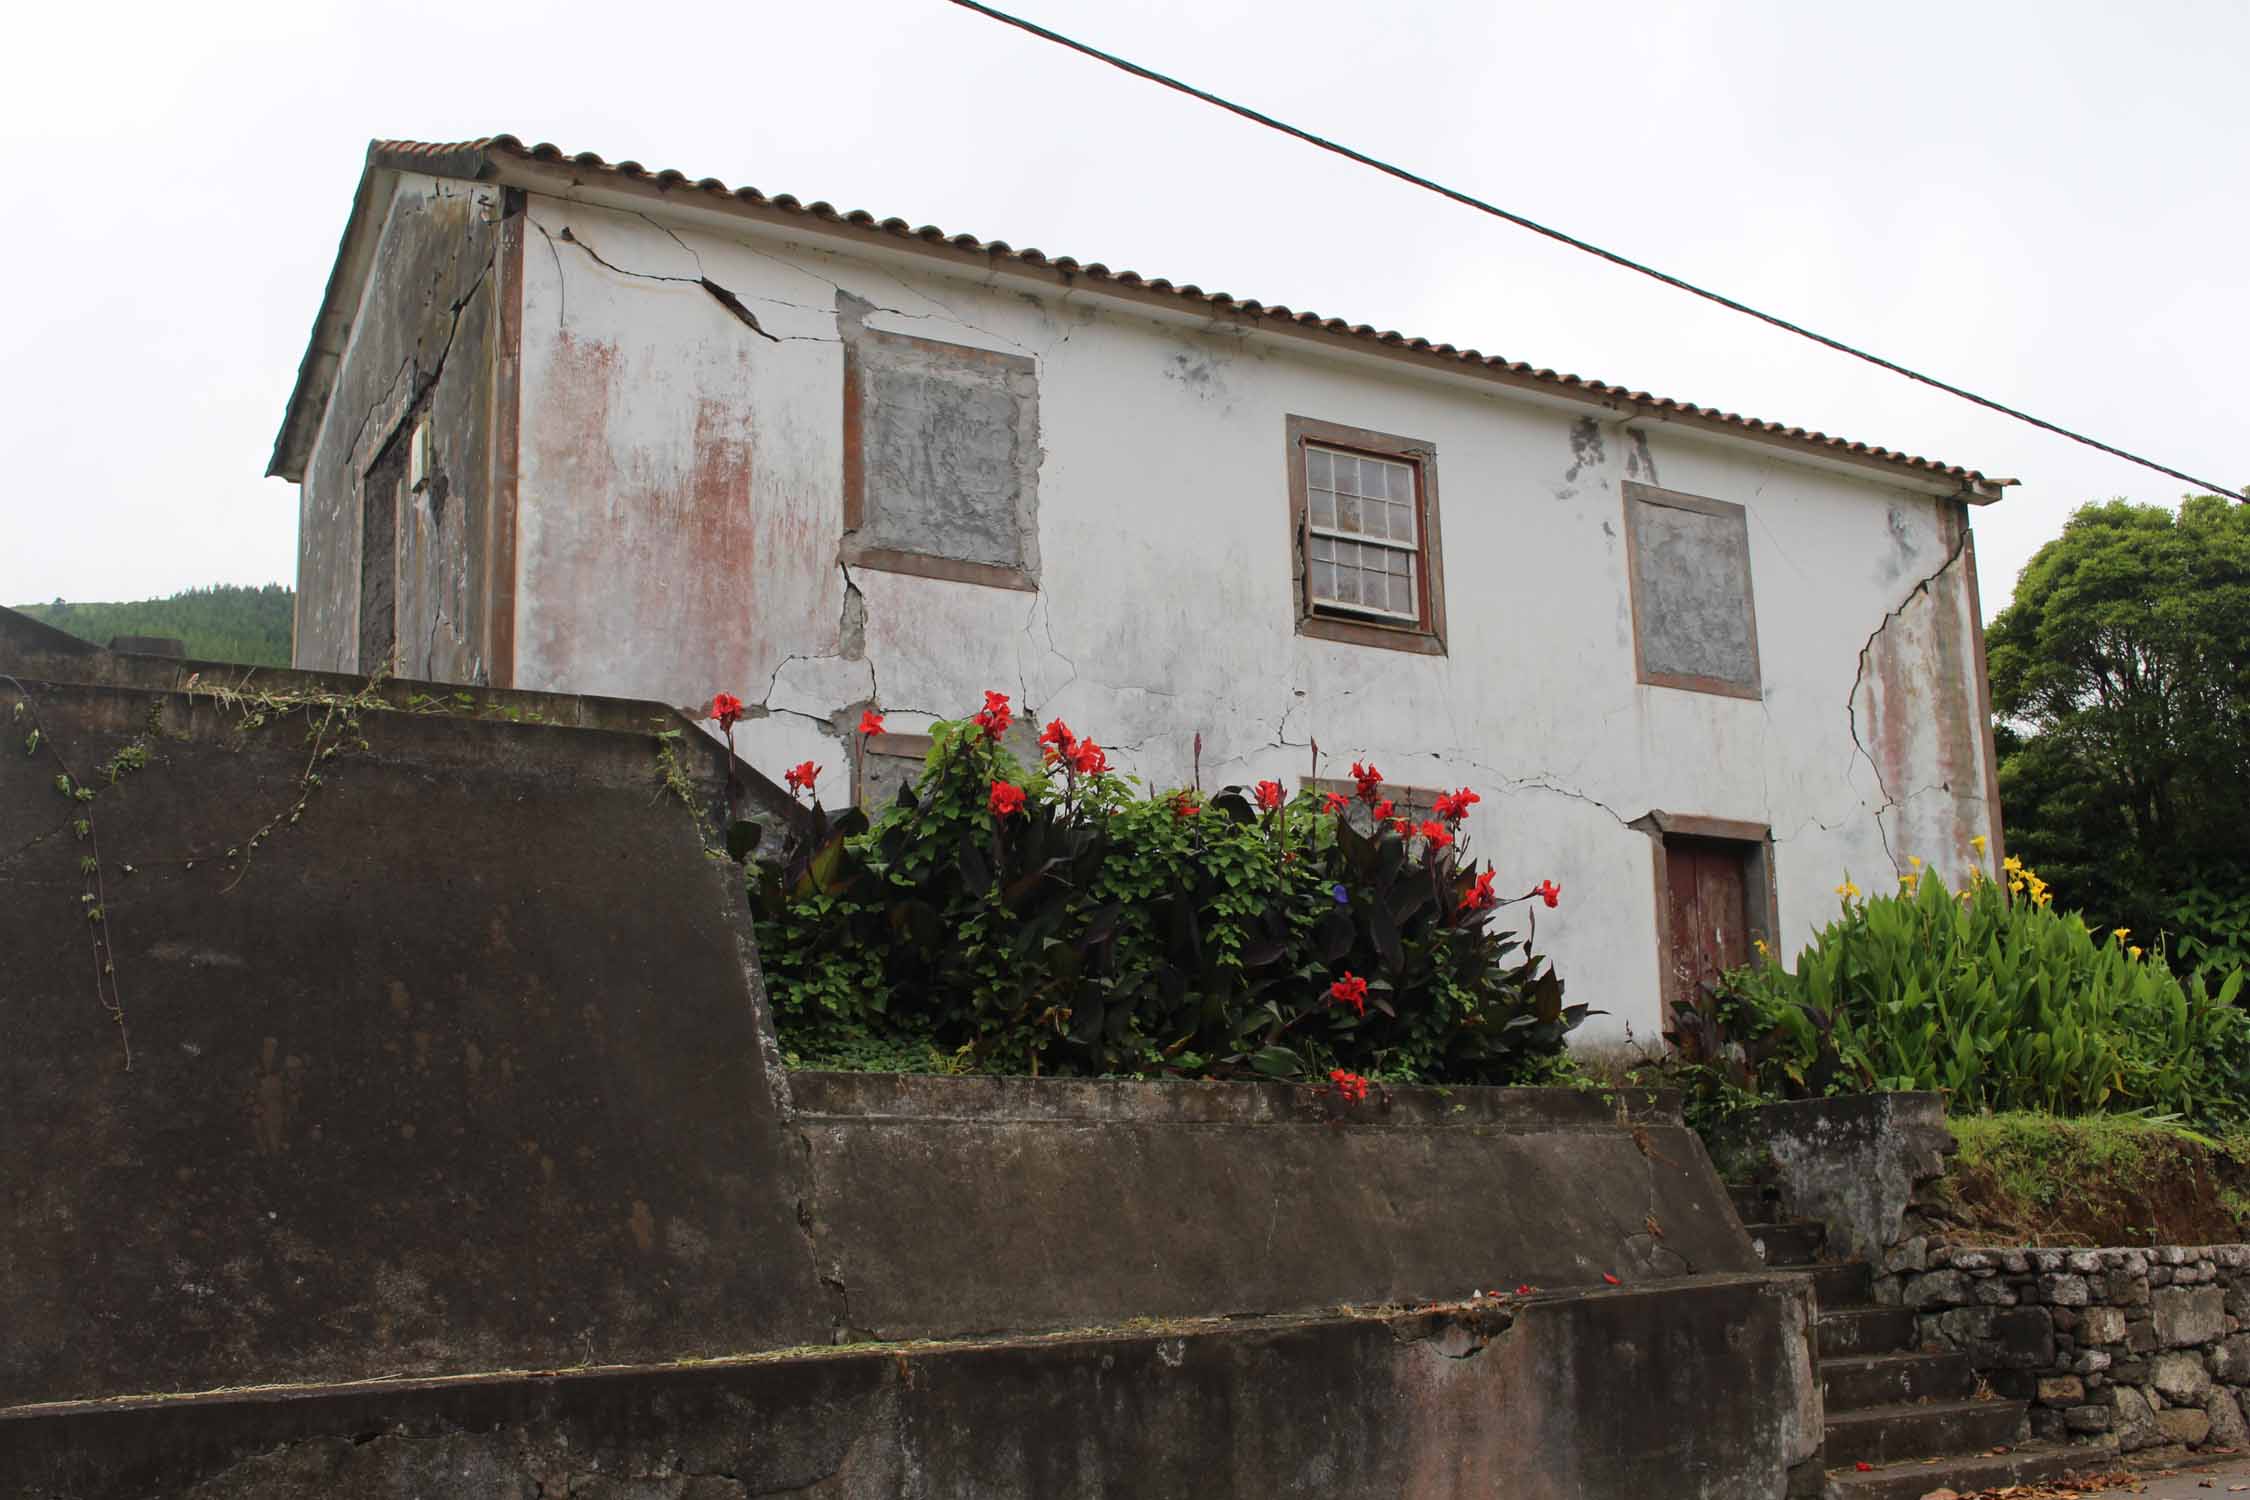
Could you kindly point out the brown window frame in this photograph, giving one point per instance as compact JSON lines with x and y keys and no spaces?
{"x":1022,"y":576}
{"x":1636,"y":493}
{"x":896,"y":746}
{"x":1424,"y":635}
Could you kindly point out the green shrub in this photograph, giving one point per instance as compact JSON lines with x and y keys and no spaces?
{"x":1054,"y":919}
{"x":1993,"y":996}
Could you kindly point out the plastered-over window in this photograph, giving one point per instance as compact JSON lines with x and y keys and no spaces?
{"x":1695,"y":624}
{"x":1364,"y":537}
{"x":941,"y":460}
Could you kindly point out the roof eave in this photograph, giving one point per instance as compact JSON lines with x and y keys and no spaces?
{"x":347,"y":282}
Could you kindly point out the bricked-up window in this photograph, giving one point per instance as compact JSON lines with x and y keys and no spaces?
{"x":1364,"y":537}
{"x":1695,"y":625}
{"x":941,"y":460}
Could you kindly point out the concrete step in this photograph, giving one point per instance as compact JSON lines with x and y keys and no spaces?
{"x":1969,"y":1475}
{"x":1796,"y":1242}
{"x":1845,"y":1331}
{"x":1923,"y":1429}
{"x":1845,"y":1283}
{"x":1861,"y":1380}
{"x":1755,"y":1205}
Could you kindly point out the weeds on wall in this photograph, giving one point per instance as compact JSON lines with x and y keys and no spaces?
{"x":1061,"y":918}
{"x":1989,"y":994}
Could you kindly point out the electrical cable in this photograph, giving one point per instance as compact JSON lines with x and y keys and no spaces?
{"x":1403,"y":175}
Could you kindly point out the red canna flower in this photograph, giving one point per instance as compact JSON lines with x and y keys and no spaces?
{"x":1055,"y":741}
{"x":1479,"y":896}
{"x":801,"y":777}
{"x":726,"y":708}
{"x":1006,"y":799}
{"x":1547,"y":891}
{"x":1863,"y":1466}
{"x":1332,"y":802}
{"x":1405,"y":829}
{"x":870,"y":722}
{"x":1370,"y":782}
{"x":1183,"y":806}
{"x":1453,"y":807}
{"x":1087,"y":759}
{"x":995,"y":717}
{"x":1526,"y":1289}
{"x":1437,"y":835}
{"x":1382,"y":810}
{"x":1350,"y":990}
{"x":1613,"y":1281}
{"x":1269,"y":795}
{"x":1349,"y":1087}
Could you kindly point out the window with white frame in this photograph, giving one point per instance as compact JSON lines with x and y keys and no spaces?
{"x":1363,"y":537}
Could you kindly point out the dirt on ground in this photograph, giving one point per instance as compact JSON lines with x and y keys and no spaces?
{"x":2076,"y":1183}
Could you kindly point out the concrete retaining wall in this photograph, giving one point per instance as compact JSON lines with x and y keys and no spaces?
{"x":1612,"y":1394}
{"x":449,"y":1062}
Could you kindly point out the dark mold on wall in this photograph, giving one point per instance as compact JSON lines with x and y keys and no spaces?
{"x":424,"y":347}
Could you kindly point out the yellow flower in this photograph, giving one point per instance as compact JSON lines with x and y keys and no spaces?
{"x":2122,"y":933}
{"x":1760,"y":945}
{"x":1847,"y":890}
{"x":1915,"y":860}
{"x":1978,"y":843}
{"x":2135,"y":951}
{"x":2012,"y":864}
{"x":1910,"y":880}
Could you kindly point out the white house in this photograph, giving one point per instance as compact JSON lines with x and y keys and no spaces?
{"x":571,"y":425}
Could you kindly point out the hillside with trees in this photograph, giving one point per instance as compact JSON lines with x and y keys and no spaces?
{"x":225,"y":622}
{"x":2121,"y":681}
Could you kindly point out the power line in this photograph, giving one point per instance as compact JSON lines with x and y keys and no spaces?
{"x":1575,"y":243}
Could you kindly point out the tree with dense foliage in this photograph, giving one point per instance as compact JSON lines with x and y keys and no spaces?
{"x":2121,"y":682}
{"x":225,"y":622}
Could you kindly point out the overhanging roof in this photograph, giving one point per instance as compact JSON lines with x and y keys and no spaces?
{"x":547,"y":168}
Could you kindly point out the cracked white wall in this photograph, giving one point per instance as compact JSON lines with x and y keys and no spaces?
{"x":681,"y":511}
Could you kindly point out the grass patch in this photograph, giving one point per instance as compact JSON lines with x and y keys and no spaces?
{"x":2098,"y":1180}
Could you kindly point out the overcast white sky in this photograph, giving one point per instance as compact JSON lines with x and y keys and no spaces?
{"x":2046,"y":202}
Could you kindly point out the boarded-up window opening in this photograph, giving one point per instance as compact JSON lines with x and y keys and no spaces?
{"x":1695,"y":623}
{"x":887,"y":762}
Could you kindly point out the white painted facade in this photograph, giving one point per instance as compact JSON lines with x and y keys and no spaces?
{"x":680,"y":511}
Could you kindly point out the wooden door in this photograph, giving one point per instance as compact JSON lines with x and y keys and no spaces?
{"x":1708,"y":890}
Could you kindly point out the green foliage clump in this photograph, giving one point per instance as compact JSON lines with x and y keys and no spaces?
{"x":1090,"y":929}
{"x":1998,"y":999}
{"x":221,"y":623}
{"x":2098,"y":1179}
{"x":2121,"y":683}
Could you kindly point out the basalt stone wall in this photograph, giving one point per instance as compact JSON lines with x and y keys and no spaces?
{"x":1863,"y":1164}
{"x":2147,"y":1345}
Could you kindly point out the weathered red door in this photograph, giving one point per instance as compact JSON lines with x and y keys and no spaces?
{"x":1709,"y":911}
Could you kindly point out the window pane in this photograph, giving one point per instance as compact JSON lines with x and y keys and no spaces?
{"x":1347,"y":513}
{"x":1323,"y":506}
{"x":1347,"y":586}
{"x":1402,"y":482}
{"x":1317,"y":469}
{"x":1322,"y":578}
{"x":1347,"y":475}
{"x":1320,"y":548}
{"x":1402,"y":523}
{"x":1402,"y":595}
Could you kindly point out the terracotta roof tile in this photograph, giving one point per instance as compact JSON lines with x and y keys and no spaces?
{"x":410,"y":154}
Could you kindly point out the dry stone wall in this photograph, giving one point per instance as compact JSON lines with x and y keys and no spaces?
{"x":2147,"y":1345}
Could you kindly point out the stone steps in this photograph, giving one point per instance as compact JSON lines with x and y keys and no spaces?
{"x":1913,"y":1479}
{"x":1786,"y":1243}
{"x":1920,"y":1429}
{"x":1851,"y":1382}
{"x":1846,"y":1331}
{"x":1844,"y":1283}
